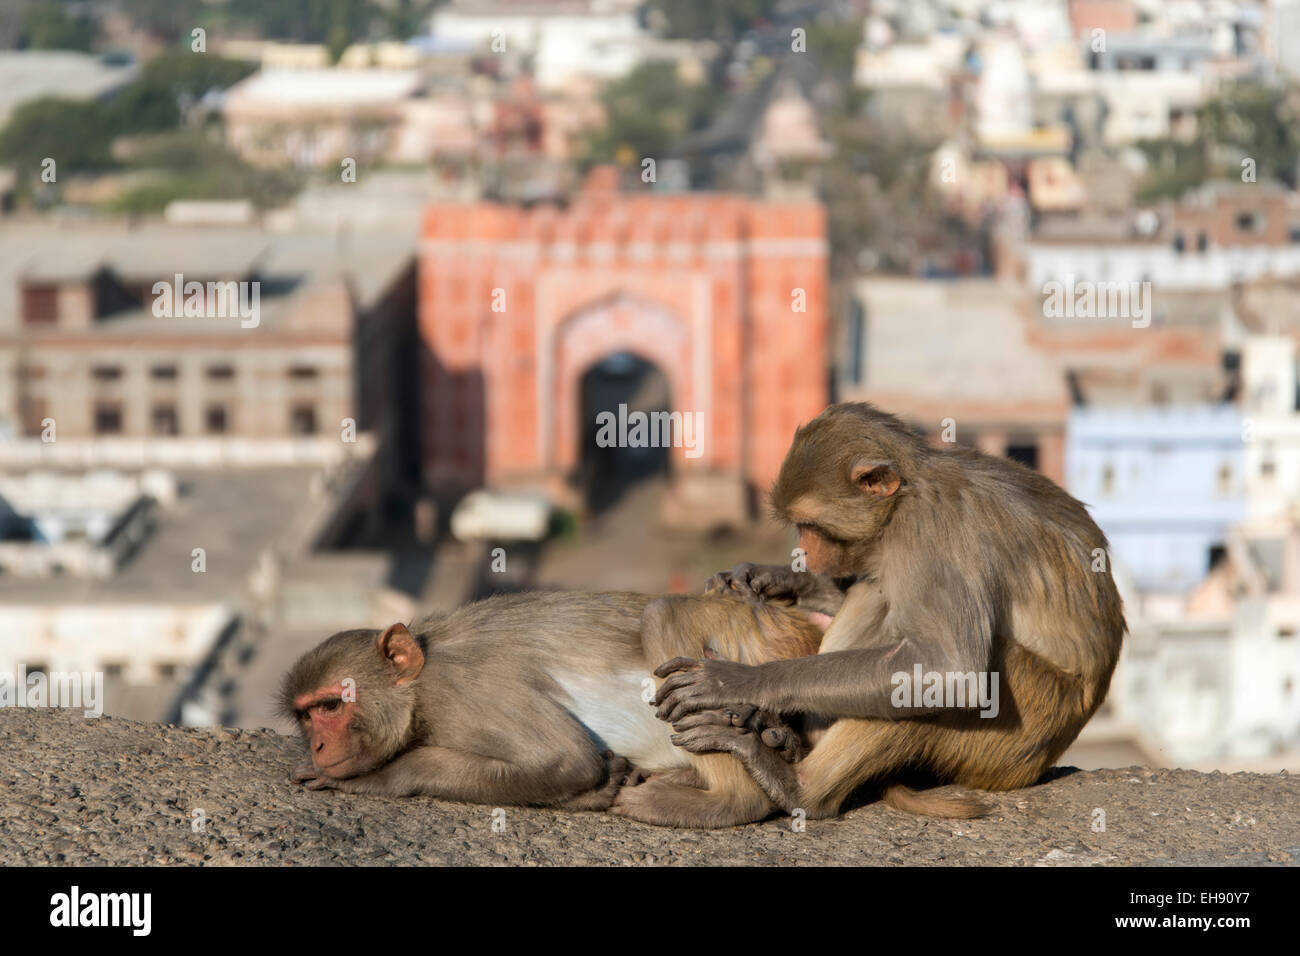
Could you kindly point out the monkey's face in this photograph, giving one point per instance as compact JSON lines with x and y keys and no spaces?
{"x":838,"y":485}
{"x":353,"y":698}
{"x":824,"y":553}
{"x":326,"y":718}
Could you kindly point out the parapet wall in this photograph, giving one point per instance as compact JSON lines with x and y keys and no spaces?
{"x":109,"y":791}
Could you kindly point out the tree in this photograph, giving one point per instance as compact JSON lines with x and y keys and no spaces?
{"x":46,"y":25}
{"x":723,"y":20}
{"x":648,"y":112}
{"x":1246,"y":121}
{"x":153,"y":101}
{"x":74,"y":134}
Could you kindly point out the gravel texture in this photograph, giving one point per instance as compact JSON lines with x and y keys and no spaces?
{"x":112,"y":791}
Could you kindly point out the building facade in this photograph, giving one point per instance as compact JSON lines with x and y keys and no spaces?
{"x":724,"y":296}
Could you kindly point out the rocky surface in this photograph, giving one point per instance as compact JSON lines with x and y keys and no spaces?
{"x":111,"y":791}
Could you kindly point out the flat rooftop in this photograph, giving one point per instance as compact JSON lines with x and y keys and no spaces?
{"x":234,"y":515}
{"x":31,"y":74}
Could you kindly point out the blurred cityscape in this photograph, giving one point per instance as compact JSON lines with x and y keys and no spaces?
{"x":309,"y":313}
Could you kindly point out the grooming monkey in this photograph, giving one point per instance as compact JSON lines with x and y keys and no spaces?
{"x":948,"y":560}
{"x":540,"y":699}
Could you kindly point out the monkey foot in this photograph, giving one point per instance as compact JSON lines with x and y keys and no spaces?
{"x":769,"y":728}
{"x":619,"y":773}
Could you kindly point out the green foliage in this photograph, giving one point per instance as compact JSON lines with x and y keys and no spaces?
{"x":153,"y":101}
{"x":648,"y":112}
{"x":716,"y":19}
{"x":336,"y":23}
{"x":406,"y":17}
{"x":193,"y":164}
{"x":170,"y":20}
{"x":46,"y":25}
{"x":1247,"y":121}
{"x":75,"y":134}
{"x":78,"y":135}
{"x":835,"y":44}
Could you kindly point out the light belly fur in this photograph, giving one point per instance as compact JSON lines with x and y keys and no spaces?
{"x":610,"y":706}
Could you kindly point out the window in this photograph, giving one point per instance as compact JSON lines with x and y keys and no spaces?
{"x":221,"y":373}
{"x":1250,"y":221}
{"x":165,"y":421}
{"x":40,"y":305}
{"x":166,"y":671}
{"x":108,"y":418}
{"x":163,"y":373}
{"x":302,"y":372}
{"x":1180,"y":244}
{"x":33,"y":411}
{"x":1025,"y":452}
{"x":1225,"y":479}
{"x":302,"y":420}
{"x":106,"y":373}
{"x":215,"y":420}
{"x":1267,"y":464}
{"x":1218,"y":553}
{"x":1202,"y":242}
{"x":1108,"y":480}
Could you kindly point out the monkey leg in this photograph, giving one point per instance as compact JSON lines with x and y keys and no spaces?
{"x":851,"y":753}
{"x":1039,"y":714}
{"x":1041,"y":710}
{"x":474,"y":778}
{"x":716,"y":792}
{"x":722,"y":792}
{"x":619,"y":770}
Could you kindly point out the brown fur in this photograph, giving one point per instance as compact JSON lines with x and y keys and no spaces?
{"x":718,"y":790}
{"x":494,"y":712}
{"x":953,"y":560}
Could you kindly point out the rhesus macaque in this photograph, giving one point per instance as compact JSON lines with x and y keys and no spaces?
{"x":943,"y":561}
{"x":538,"y":699}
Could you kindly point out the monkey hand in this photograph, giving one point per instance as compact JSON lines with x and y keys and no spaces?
{"x":699,"y":685}
{"x":779,"y":584}
{"x":757,"y":582}
{"x":306,"y":774}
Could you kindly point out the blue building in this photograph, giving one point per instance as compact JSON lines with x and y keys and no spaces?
{"x":1165,"y":483}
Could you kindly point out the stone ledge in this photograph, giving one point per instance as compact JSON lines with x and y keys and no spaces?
{"x":108,"y":791}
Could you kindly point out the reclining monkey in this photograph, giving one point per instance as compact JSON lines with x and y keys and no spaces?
{"x":541,"y":699}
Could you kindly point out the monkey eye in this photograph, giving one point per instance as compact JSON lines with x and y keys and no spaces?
{"x":329,"y":706}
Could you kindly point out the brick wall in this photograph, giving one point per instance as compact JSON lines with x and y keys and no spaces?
{"x":516,"y":304}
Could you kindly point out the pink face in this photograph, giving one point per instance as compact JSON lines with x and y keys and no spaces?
{"x":824,"y":555}
{"x":326,"y":721}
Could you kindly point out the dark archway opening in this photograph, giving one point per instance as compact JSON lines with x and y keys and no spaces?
{"x":616,"y":390}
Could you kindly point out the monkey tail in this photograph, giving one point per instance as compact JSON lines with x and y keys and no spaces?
{"x":957,"y":806}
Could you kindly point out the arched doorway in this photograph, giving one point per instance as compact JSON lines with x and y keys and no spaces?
{"x":619,"y":385}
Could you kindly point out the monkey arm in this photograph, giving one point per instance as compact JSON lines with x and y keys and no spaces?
{"x":870,"y":655}
{"x":458,"y":775}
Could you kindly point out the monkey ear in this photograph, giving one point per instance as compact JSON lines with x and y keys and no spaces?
{"x":402,"y":652}
{"x":878,"y":478}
